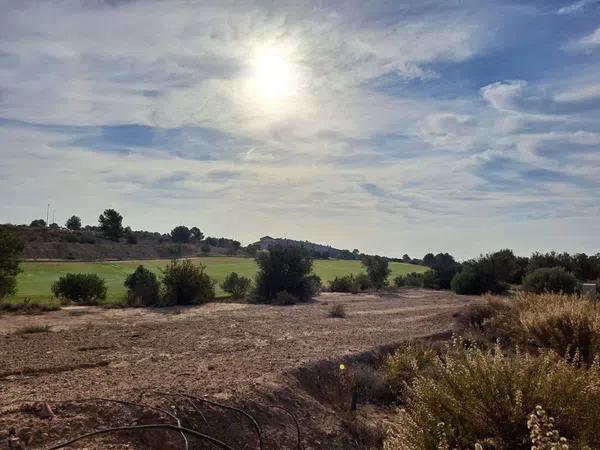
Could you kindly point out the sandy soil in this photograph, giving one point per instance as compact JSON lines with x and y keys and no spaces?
{"x":234,"y":353}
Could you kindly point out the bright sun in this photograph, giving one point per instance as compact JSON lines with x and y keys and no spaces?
{"x":273,"y":77}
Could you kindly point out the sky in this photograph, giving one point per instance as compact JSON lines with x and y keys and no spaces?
{"x":389,"y":126}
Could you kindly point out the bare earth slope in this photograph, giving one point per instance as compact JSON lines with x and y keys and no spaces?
{"x":237,"y":353}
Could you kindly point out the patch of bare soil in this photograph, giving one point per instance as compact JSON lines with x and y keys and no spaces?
{"x":259,"y":358}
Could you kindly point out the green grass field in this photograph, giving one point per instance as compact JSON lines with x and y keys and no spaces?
{"x":37,"y":277}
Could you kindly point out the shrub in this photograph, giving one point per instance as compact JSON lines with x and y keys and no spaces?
{"x":443,"y":268}
{"x":143,"y":288}
{"x":205,"y":248}
{"x":236,"y":285}
{"x":430,"y":280}
{"x":371,"y":384}
{"x":563,"y":323}
{"x":489,"y":273}
{"x":412,"y":279}
{"x":38,"y":223}
{"x":362,"y":281}
{"x":10,"y":249}
{"x":71,"y":238}
{"x":283,"y":269}
{"x":132,"y":239}
{"x":186,"y":284}
{"x":407,"y":363}
{"x":473,"y":316}
{"x":32,"y":329}
{"x":284,"y":298}
{"x":346,"y":283}
{"x":315,"y":284}
{"x":87,"y":239}
{"x":338,"y":311}
{"x":377,"y":268}
{"x":85,"y":288}
{"x":554,"y":279}
{"x":487,"y":397}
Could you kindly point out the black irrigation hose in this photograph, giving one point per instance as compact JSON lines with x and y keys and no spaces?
{"x":299,"y":438}
{"x":232,"y":408}
{"x":144,"y":427}
{"x":123,"y":402}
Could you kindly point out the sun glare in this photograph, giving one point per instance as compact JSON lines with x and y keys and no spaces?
{"x":273,"y":77}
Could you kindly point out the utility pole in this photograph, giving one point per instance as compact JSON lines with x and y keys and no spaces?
{"x":47,"y":213}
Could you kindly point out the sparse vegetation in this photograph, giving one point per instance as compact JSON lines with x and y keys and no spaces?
{"x":84,"y":288}
{"x":236,"y":285}
{"x":32,"y":329}
{"x":186,"y":284}
{"x":143,"y":288}
{"x":346,"y":283}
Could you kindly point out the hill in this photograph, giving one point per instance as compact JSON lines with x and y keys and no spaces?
{"x":317,"y":250}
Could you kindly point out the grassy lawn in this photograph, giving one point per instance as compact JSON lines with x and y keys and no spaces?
{"x":37,"y":277}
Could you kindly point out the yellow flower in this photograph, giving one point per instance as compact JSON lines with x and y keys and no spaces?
{"x":342,"y":366}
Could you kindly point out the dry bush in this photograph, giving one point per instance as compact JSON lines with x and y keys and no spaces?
{"x":408,"y":362}
{"x":337,"y":311}
{"x":31,"y":329}
{"x":27,"y":307}
{"x":371,"y":384}
{"x":563,"y":323}
{"x":485,"y":398}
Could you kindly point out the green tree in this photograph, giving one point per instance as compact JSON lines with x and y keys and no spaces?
{"x":85,"y":288}
{"x":111,"y":224}
{"x":10,"y":249}
{"x":284,"y":271}
{"x":38,"y":223}
{"x":180,"y":234}
{"x":196,"y":234}
{"x":143,"y":288}
{"x":74,"y":223}
{"x":377,"y":268}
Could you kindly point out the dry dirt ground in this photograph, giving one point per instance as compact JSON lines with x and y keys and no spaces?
{"x":251,"y":356}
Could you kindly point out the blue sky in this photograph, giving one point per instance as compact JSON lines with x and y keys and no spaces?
{"x":391,"y":126}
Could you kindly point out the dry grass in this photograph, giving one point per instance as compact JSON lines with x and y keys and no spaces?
{"x":32,"y":329}
{"x":337,"y":311}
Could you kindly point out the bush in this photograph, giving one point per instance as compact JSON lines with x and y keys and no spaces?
{"x":443,"y":268}
{"x":10,"y":249}
{"x":132,"y":239}
{"x":186,"y":284}
{"x":38,"y":223}
{"x":407,"y":363}
{"x":284,"y":298}
{"x":143,"y":288}
{"x":487,"y":397}
{"x":430,"y":280}
{"x":71,"y":238}
{"x":362,"y":281}
{"x":205,"y":248}
{"x":315,"y":284}
{"x":377,"y":268}
{"x":489,"y":273}
{"x":412,"y":279}
{"x":84,"y":288}
{"x":554,"y":279}
{"x":111,"y":224}
{"x":338,"y":311}
{"x":283,"y":269}
{"x":236,"y":285}
{"x":181,"y":234}
{"x":346,"y":283}
{"x":564,"y":323}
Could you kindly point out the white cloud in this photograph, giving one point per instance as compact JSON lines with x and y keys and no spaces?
{"x":587,"y":43}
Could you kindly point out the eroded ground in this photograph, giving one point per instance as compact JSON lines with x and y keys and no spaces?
{"x":233,"y":353}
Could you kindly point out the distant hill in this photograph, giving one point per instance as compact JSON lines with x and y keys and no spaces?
{"x":316,"y":250}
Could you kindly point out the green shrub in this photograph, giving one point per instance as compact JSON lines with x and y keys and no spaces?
{"x":553,"y":279}
{"x":284,"y":298}
{"x":283,"y":268}
{"x":362,"y":281}
{"x":236,"y":285}
{"x":430,"y":280}
{"x":186,"y":284}
{"x":84,"y":288}
{"x":487,"y":397}
{"x":412,"y":279}
{"x":488,"y":273}
{"x":346,"y":283}
{"x":143,"y":288}
{"x":132,"y":239}
{"x":71,"y":238}
{"x":73,"y":223}
{"x":315,"y":284}
{"x":377,"y":268}
{"x":205,"y":248}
